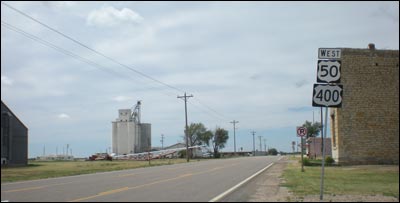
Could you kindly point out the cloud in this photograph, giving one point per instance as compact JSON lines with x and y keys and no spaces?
{"x":301,"y":83}
{"x":63,"y":116}
{"x":121,"y":98}
{"x":109,"y":16}
{"x":59,"y":4}
{"x":6,"y":80}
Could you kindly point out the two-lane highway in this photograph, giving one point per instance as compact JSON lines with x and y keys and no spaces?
{"x":194,"y":181}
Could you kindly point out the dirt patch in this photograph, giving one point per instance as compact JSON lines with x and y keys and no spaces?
{"x":268,"y":187}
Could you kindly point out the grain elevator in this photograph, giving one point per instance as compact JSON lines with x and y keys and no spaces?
{"x":129,"y":135}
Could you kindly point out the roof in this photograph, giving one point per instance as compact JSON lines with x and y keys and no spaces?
{"x":15,"y":116}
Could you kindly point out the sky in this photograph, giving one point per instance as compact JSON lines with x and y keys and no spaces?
{"x":253,"y":62}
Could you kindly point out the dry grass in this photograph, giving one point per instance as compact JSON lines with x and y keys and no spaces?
{"x":345,"y":180}
{"x":40,"y":170}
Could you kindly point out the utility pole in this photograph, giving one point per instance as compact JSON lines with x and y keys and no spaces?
{"x":162,"y":141}
{"x":259,"y":137}
{"x":265,"y":146}
{"x":187,"y":128}
{"x":234,"y":135}
{"x":254,"y":146}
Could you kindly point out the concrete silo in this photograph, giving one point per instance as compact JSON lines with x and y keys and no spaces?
{"x":128,"y":134}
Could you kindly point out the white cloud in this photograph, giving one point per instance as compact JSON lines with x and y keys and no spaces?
{"x":121,"y":98}
{"x":59,"y":4}
{"x":63,"y":116}
{"x":6,"y":80}
{"x":109,"y":16}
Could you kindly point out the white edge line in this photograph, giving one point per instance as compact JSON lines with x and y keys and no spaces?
{"x":217,"y":198}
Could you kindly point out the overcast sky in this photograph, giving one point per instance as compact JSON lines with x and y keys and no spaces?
{"x":254,"y":62}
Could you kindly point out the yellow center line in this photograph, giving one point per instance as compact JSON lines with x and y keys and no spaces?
{"x":113,"y":191}
{"x":101,"y":194}
{"x":35,"y":188}
{"x":148,"y":184}
{"x":25,"y":189}
{"x":129,"y":188}
{"x":132,"y":174}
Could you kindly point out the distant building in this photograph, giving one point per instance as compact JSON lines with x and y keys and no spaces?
{"x":129,"y":135}
{"x":177,"y":145}
{"x":314,"y":147}
{"x":14,"y":138}
{"x":54,"y":157}
{"x":365,"y":130}
{"x":197,"y":152}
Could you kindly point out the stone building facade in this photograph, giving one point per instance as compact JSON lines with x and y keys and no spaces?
{"x":365,"y":130}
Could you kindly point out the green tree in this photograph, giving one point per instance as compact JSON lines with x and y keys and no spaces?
{"x":219,"y":139}
{"x":198,"y":135}
{"x":313,"y":129}
{"x":272,"y":151}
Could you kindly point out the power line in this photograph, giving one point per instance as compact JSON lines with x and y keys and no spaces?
{"x":71,"y":54}
{"x":83,"y":59}
{"x":87,"y":47}
{"x":105,"y":56}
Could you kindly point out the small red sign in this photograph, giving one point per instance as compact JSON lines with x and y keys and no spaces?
{"x":301,"y":131}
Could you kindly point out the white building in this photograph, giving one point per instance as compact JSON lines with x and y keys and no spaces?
{"x":128,"y":134}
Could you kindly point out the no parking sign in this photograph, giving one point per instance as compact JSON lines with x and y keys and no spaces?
{"x":301,"y":131}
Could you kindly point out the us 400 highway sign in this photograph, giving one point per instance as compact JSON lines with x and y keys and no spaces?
{"x":327,"y":95}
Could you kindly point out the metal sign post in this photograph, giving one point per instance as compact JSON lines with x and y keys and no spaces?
{"x":329,"y":94}
{"x":301,"y":132}
{"x":321,"y":195}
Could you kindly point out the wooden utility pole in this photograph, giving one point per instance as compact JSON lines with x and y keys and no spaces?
{"x":254,"y":145}
{"x":234,"y":135}
{"x":162,"y":141}
{"x":187,"y":128}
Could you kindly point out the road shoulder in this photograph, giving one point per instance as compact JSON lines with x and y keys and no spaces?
{"x":263,"y":188}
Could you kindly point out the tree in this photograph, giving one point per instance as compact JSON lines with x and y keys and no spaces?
{"x":198,"y":135}
{"x":313,"y":129}
{"x":273,"y":151}
{"x":219,"y":139}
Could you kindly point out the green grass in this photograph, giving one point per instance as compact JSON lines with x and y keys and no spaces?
{"x":341,"y":180}
{"x":39,"y":170}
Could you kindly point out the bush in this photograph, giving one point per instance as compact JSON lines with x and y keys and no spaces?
{"x":329,"y":160}
{"x":182,"y":154}
{"x":306,"y":162}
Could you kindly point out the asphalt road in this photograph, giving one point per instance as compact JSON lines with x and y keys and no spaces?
{"x":187,"y":182}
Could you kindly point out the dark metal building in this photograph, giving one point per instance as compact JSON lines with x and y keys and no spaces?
{"x":14,"y":138}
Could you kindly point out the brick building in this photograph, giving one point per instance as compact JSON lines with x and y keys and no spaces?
{"x":314,"y":147}
{"x":365,"y":130}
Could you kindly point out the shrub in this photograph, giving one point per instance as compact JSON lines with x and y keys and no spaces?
{"x":306,"y":162}
{"x":329,"y":160}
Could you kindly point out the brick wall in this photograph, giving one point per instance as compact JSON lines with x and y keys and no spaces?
{"x":314,"y":147}
{"x":366,"y":129}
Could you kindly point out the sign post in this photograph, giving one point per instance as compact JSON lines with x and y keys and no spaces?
{"x":327,"y":95}
{"x":301,"y":132}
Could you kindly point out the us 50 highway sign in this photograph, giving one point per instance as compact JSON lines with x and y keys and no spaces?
{"x":328,"y":71}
